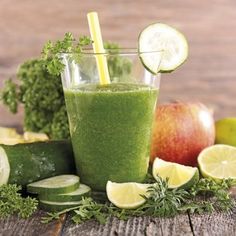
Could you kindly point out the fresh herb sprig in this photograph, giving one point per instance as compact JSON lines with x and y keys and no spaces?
{"x":205,"y":196}
{"x":51,"y":51}
{"x":11,"y":202}
{"x":88,"y":209}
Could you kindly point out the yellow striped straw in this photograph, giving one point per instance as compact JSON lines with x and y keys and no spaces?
{"x":98,"y":48}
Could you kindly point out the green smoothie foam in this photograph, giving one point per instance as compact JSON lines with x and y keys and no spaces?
{"x":110,"y":129}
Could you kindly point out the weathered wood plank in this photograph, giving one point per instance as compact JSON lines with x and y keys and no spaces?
{"x":217,"y":224}
{"x":13,"y":226}
{"x":136,"y":226}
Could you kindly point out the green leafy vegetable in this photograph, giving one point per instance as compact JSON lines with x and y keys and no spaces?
{"x":40,"y":90}
{"x":162,"y":201}
{"x":11,"y":202}
{"x":42,"y":96}
{"x":119,"y":67}
{"x":9,"y":96}
{"x":51,"y":51}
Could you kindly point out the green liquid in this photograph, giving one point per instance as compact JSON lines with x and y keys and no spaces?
{"x":110,"y":129}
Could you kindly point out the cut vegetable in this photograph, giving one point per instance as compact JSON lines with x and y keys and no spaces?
{"x":157,"y":37}
{"x":4,"y":167}
{"x":57,"y":206}
{"x":30,"y":162}
{"x":179,"y":176}
{"x":57,"y":184}
{"x":82,"y":191}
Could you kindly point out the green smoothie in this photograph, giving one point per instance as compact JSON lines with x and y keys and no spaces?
{"x":110,"y":129}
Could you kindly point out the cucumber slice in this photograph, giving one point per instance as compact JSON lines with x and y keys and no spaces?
{"x":57,"y":206}
{"x":173,"y":44}
{"x":55,"y":185}
{"x":82,"y":191}
{"x":4,"y":167}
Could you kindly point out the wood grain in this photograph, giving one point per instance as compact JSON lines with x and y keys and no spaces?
{"x":13,"y":226}
{"x":207,"y":76}
{"x":217,"y":224}
{"x":136,"y":226}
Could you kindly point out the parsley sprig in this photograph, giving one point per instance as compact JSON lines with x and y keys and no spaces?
{"x":11,"y":202}
{"x":205,"y":196}
{"x":51,"y":51}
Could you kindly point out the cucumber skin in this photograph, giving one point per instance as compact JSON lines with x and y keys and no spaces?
{"x":63,"y":197}
{"x":30,"y":162}
{"x":56,"y":208}
{"x":48,"y":191}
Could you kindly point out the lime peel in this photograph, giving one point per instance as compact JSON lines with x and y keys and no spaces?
{"x":127,"y":195}
{"x":179,"y":176}
{"x":218,"y":162}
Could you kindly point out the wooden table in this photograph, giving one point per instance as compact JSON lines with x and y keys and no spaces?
{"x":216,"y":224}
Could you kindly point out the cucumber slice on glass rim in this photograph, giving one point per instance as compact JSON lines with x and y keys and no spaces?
{"x":161,"y":37}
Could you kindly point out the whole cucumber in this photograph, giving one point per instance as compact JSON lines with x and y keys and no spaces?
{"x":29,"y":162}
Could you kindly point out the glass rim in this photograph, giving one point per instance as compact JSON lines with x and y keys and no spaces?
{"x":114,"y":51}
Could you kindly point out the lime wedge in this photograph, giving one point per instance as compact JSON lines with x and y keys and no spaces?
{"x":179,"y":176}
{"x":127,"y":195}
{"x":218,"y":162}
{"x":173,"y":44}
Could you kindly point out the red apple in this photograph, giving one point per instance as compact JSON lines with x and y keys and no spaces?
{"x":181,"y":131}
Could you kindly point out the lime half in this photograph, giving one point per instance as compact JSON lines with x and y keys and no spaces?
{"x":179,"y":176}
{"x":218,"y":162}
{"x":127,"y":195}
{"x":161,"y":37}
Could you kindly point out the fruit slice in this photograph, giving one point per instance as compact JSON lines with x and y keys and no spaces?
{"x":34,"y":137}
{"x":9,"y":136}
{"x":54,"y":185}
{"x":76,"y":195}
{"x":8,"y":133}
{"x":57,"y":206}
{"x":4,"y":167}
{"x":179,"y":176}
{"x":156,"y":37}
{"x":226,"y":131}
{"x":126,"y":195}
{"x":218,"y":162}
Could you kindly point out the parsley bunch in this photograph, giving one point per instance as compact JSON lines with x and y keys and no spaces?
{"x":11,"y":202}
